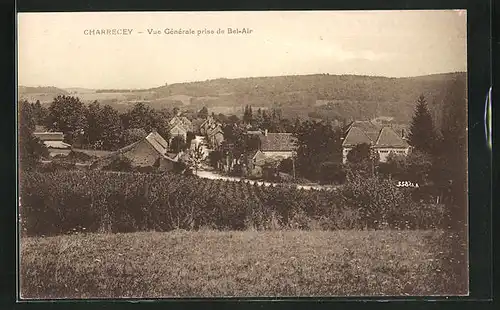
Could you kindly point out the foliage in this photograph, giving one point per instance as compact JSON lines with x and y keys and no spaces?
{"x":112,"y":129}
{"x":380,"y":203}
{"x":195,"y":157}
{"x":144,"y":117}
{"x":203,"y":113}
{"x":56,"y":203}
{"x":422,"y":134}
{"x":119,"y":163}
{"x":332,"y":173}
{"x":359,"y":153}
{"x":286,"y":166}
{"x":415,"y":167}
{"x":178,"y":144}
{"x":450,"y":165}
{"x":247,"y":115}
{"x":67,"y":114}
{"x":316,"y":143}
{"x":132,"y":135}
{"x":30,"y":148}
{"x":215,"y":157}
{"x":40,"y":113}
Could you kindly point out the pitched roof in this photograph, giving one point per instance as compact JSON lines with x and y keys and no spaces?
{"x":179,"y":128}
{"x":157,"y":142}
{"x":174,"y":120}
{"x":49,"y":136}
{"x":213,"y":130}
{"x":185,"y":121}
{"x":254,"y":132}
{"x":277,"y":142}
{"x":369,"y":128}
{"x":197,"y":123}
{"x":356,"y":136}
{"x":388,"y":138}
{"x":154,"y":139}
{"x":56,"y":145}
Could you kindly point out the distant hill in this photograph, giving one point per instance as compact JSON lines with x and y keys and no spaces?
{"x":40,"y":90}
{"x":318,"y":96}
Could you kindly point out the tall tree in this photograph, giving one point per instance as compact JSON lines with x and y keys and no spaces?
{"x":247,"y":115}
{"x":316,"y":143}
{"x":178,"y":144}
{"x":422,"y":135}
{"x":450,"y":168}
{"x":132,"y":135}
{"x":111,"y":128}
{"x":141,"y":116}
{"x":203,"y":113}
{"x":160,"y":122}
{"x":67,"y":114}
{"x":359,"y":153}
{"x":39,"y":113}
{"x":93,"y":128}
{"x":30,"y":148}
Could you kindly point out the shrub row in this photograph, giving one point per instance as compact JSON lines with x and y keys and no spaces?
{"x":99,"y":201}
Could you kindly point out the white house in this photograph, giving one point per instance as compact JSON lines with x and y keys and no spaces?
{"x":382,"y":139}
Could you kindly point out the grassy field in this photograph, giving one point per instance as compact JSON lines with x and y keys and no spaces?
{"x":247,"y":263}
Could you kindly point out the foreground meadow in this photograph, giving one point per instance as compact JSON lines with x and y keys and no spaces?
{"x":240,"y":263}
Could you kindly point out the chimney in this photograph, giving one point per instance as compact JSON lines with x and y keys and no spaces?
{"x":265,"y":132}
{"x":403,"y":133}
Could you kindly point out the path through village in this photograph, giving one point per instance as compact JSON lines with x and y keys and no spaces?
{"x":213,"y":175}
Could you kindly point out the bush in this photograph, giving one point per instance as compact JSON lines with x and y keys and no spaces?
{"x":104,"y":201}
{"x":332,"y":172}
{"x":119,"y":163}
{"x":382,"y":205}
{"x":286,"y":166}
{"x":54,"y":166}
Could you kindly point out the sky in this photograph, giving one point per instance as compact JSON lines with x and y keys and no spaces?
{"x":54,"y":49}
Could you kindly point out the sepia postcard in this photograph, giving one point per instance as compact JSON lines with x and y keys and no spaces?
{"x":242,"y":154}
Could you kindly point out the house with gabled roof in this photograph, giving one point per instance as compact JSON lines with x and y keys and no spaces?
{"x":53,"y":141}
{"x":215,"y":136}
{"x":278,"y":145}
{"x":180,"y":126}
{"x":151,"y":151}
{"x":382,"y":139}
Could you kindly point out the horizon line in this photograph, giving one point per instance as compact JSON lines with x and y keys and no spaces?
{"x":250,"y":77}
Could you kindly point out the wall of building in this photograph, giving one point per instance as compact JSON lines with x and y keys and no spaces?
{"x":166,"y":165}
{"x":54,"y":152}
{"x":142,"y":155}
{"x":384,"y":152}
{"x":345,"y":151}
{"x":176,"y":131}
{"x":278,"y":154}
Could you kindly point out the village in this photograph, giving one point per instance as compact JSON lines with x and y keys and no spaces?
{"x":200,"y":145}
{"x":277,"y":154}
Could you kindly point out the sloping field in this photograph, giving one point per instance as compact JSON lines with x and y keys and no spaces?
{"x":245,"y":263}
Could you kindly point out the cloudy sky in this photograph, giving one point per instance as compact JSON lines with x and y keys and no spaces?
{"x":53,"y":49}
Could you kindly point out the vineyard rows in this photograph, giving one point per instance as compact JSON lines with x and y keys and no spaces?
{"x":61,"y":202}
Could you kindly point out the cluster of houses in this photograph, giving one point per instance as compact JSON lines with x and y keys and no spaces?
{"x":209,"y":128}
{"x":153,"y":150}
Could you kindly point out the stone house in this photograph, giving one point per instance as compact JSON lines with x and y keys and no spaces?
{"x":215,"y":136}
{"x":277,"y":145}
{"x":151,"y":151}
{"x":382,"y":139}
{"x":273,"y":148}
